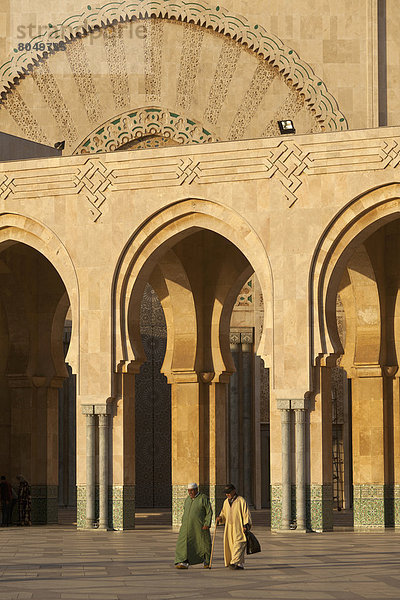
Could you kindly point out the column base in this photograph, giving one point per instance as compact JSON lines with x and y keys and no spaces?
{"x":44,"y":504}
{"x":179,"y":495}
{"x":81,"y":508}
{"x":276,"y":508}
{"x":376,"y":506}
{"x":121,"y":507}
{"x":121,"y":499}
{"x":319,"y":508}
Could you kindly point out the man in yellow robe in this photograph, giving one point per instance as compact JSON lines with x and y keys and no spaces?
{"x":236,"y":516}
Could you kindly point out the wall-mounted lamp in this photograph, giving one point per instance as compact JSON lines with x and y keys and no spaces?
{"x":286,"y":126}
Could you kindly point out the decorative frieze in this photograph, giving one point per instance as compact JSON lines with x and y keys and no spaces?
{"x":95,"y":178}
{"x":143,"y":122}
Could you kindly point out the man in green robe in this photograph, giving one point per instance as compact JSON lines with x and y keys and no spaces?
{"x":194,"y":541}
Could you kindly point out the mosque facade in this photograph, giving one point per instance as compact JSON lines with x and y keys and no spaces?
{"x":188,"y":293}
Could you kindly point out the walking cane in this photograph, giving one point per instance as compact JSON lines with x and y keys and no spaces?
{"x":212,"y":547}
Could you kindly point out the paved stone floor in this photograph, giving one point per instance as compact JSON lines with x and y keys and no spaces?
{"x":47,"y":563}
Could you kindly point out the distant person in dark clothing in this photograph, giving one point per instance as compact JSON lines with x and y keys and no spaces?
{"x":24,"y":501}
{"x":6,"y":499}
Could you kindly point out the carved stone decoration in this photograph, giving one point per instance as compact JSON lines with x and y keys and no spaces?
{"x":80,"y":67}
{"x":246,"y":295}
{"x":6,"y":185}
{"x":153,"y":43}
{"x":227,"y":63}
{"x":22,"y":115}
{"x":94,"y":179}
{"x":255,"y":37}
{"x":116,"y":60}
{"x":52,"y":95}
{"x":190,"y":57}
{"x":142,"y":122}
{"x":262,"y":79}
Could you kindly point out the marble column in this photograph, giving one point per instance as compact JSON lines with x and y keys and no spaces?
{"x":286,"y":468}
{"x":103,"y":471}
{"x":90,"y":469}
{"x":300,"y":470}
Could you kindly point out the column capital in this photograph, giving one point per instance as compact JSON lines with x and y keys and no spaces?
{"x":104,"y":408}
{"x":19,"y":381}
{"x":367,"y":370}
{"x":176,"y":376}
{"x":87,"y":409}
{"x":300,"y":404}
{"x":283,"y":404}
{"x":292,"y":403}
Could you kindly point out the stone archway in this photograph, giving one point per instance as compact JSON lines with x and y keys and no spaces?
{"x":38,"y":288}
{"x":197,"y":274}
{"x":34,"y":304}
{"x":358,"y":263}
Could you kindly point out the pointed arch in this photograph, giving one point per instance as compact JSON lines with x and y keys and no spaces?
{"x":159,"y":233}
{"x":355,"y":223}
{"x":17,"y":228}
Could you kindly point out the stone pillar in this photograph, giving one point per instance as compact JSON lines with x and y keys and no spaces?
{"x":300,"y":469}
{"x":189,"y":441}
{"x":91,"y":418}
{"x":284,"y":407}
{"x":122,"y":453}
{"x":368,"y":447}
{"x":34,"y":440}
{"x":247,"y":415}
{"x":233,"y":415}
{"x":396,"y":447}
{"x":320,"y":489}
{"x":218,"y":455}
{"x":103,"y":469}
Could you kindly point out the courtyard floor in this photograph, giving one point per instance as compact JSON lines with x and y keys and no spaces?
{"x":47,"y":563}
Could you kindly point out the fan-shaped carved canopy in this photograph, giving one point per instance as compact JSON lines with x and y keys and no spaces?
{"x":231,"y":79}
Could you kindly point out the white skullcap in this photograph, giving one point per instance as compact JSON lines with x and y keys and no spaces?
{"x":192,"y":486}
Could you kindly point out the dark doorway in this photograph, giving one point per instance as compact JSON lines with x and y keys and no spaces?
{"x":153,"y":410}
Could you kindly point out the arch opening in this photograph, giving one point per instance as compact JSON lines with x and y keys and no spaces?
{"x":38,"y":402}
{"x":193,"y":303}
{"x":361,"y":315}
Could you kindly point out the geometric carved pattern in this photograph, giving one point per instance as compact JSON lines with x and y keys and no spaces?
{"x":273,"y":158}
{"x":290,"y":163}
{"x":254,"y":36}
{"x":245,"y":297}
{"x":116,"y":60}
{"x":20,"y":112}
{"x":80,"y":67}
{"x":262,"y":79}
{"x":227,"y":63}
{"x":140,"y":123}
{"x":94,"y":178}
{"x":52,"y":95}
{"x":153,"y":43}
{"x":6,"y":186}
{"x":190,"y":56}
